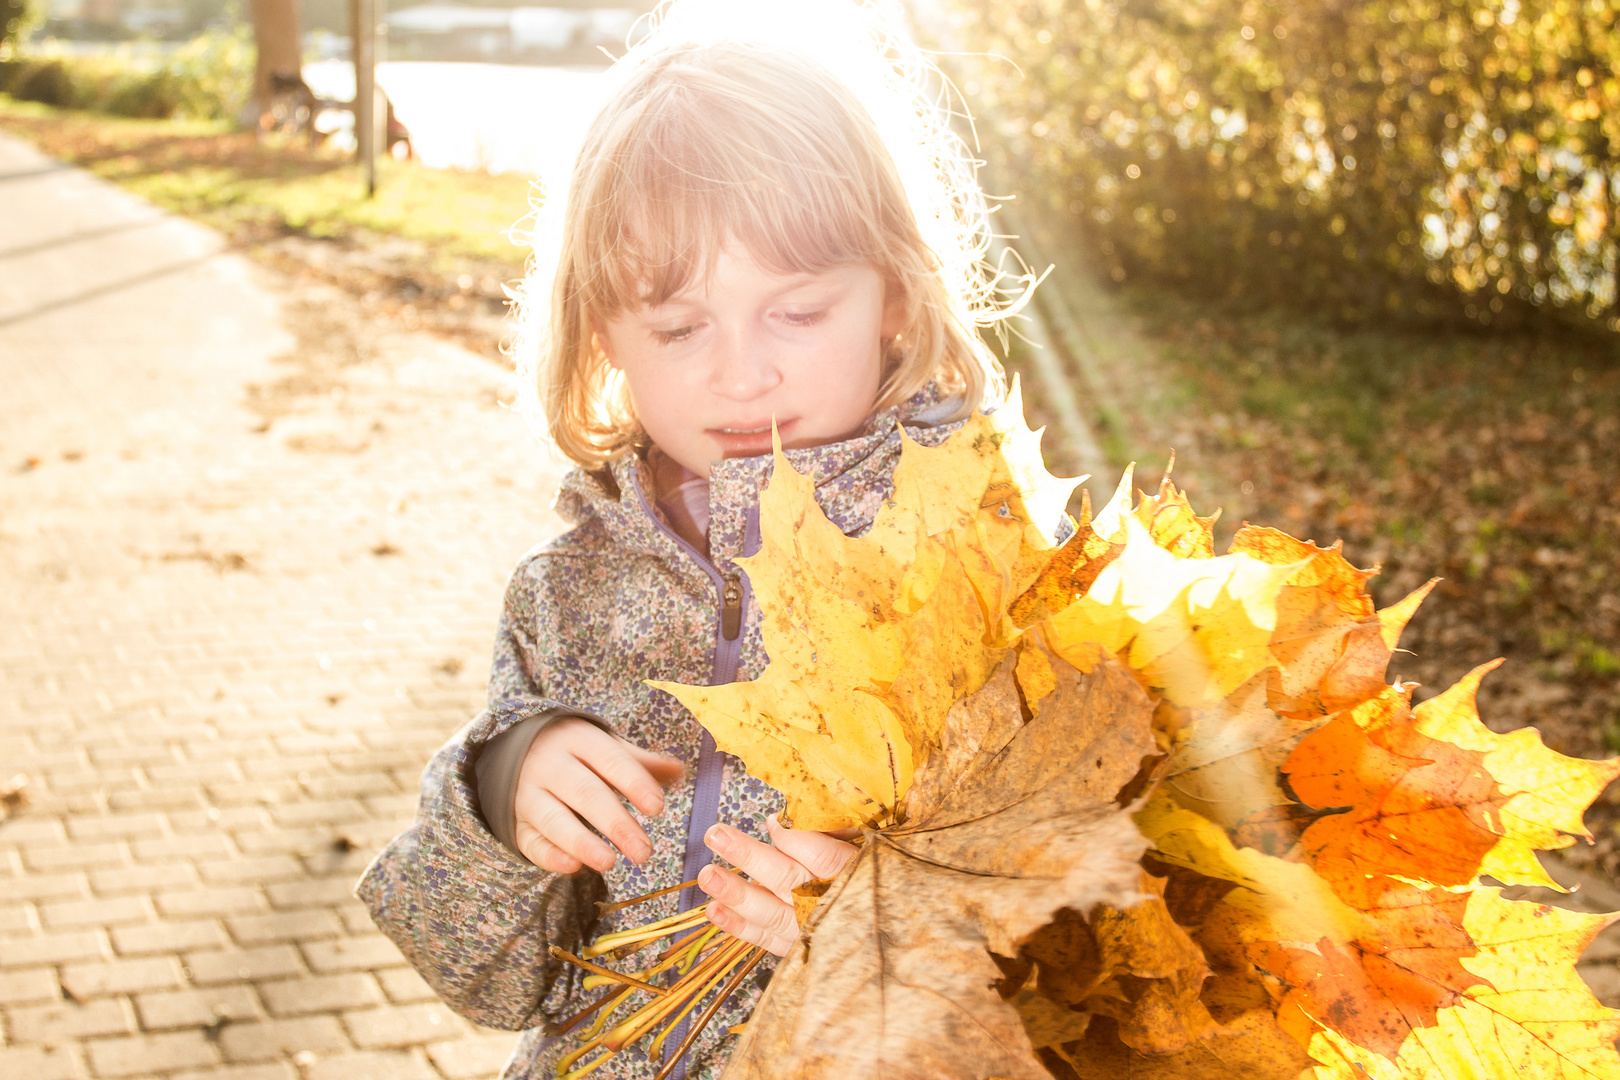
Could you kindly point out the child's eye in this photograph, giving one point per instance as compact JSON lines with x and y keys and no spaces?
{"x":804,"y":318}
{"x":671,"y":337}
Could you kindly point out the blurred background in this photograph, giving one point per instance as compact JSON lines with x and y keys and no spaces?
{"x":1353,"y":263}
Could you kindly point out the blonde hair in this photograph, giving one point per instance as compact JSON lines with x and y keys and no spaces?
{"x":706,"y":141}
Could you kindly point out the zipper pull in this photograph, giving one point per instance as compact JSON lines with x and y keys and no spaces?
{"x":731,"y":609}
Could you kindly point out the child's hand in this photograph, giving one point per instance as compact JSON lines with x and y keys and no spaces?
{"x":574,"y":768}
{"x":761,"y":911}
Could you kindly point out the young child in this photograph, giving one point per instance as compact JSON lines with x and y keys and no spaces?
{"x":746,"y":241}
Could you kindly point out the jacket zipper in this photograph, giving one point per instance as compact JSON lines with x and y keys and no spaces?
{"x":731,"y":612}
{"x":711,"y":763}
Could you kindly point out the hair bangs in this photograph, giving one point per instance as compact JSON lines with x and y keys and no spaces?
{"x":708,"y":166}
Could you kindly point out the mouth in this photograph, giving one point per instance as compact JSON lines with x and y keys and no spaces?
{"x":748,"y":440}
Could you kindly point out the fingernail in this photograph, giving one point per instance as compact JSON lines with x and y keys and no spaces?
{"x":718,"y":838}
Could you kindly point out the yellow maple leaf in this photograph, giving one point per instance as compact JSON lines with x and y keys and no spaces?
{"x":873,"y":638}
{"x":1317,"y":846}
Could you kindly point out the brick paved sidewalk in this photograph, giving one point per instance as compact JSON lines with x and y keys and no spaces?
{"x":251,"y":553}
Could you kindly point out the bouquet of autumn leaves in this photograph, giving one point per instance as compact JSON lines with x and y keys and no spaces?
{"x":1129,"y":808}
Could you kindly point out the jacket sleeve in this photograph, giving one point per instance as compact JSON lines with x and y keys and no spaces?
{"x":473,"y":916}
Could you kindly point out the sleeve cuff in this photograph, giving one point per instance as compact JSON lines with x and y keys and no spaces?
{"x":500,"y":761}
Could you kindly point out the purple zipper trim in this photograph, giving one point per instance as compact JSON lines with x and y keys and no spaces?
{"x":711,"y":762}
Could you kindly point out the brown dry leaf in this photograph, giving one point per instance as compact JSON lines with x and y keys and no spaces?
{"x":1154,"y":972}
{"x":1069,"y":574}
{"x":1005,"y":824}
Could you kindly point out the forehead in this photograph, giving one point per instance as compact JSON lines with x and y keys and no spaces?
{"x":736,"y":272}
{"x":719,"y":152}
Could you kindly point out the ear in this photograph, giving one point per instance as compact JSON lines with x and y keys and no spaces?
{"x":896,"y":310}
{"x":599,"y":332}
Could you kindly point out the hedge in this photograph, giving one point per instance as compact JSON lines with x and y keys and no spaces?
{"x":209,"y":78}
{"x":1425,"y":159}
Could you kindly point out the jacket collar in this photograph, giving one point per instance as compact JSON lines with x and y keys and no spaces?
{"x":853,"y":478}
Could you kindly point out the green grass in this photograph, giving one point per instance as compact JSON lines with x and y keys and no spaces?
{"x":230,"y":179}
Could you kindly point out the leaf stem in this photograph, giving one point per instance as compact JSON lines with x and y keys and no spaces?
{"x":597,"y":969}
{"x":708,"y":1014}
{"x":603,"y":908}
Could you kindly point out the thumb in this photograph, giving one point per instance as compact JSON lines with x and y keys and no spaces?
{"x":665,"y":769}
{"x":821,"y":854}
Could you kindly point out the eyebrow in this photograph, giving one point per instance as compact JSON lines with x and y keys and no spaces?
{"x":795,"y":281}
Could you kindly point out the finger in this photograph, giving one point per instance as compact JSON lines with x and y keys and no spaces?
{"x":543,"y":853}
{"x":621,"y":766}
{"x":773,"y":869}
{"x":736,"y":926}
{"x":557,"y":824}
{"x":665,"y":769}
{"x":764,"y":917}
{"x":583,"y":791}
{"x":821,"y":854}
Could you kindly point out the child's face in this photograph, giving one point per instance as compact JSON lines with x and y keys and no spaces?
{"x":711,"y":368}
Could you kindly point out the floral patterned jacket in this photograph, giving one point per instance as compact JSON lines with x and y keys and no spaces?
{"x":589,"y":617}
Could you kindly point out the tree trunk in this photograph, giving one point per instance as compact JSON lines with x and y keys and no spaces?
{"x":275,"y":33}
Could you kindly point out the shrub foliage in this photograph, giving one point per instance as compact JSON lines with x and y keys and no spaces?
{"x":206,"y":79}
{"x":1409,"y":157}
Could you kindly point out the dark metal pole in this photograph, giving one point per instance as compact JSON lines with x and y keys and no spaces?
{"x":364,"y":47}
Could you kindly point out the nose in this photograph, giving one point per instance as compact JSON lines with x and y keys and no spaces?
{"x":743,"y":367}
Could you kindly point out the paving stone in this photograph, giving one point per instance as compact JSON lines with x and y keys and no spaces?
{"x":261,"y":871}
{"x":197,"y":1008}
{"x":86,"y":981}
{"x":238,"y":900}
{"x":188,"y":847}
{"x":354,"y":785}
{"x":274,"y":1070}
{"x":156,"y":799}
{"x":43,"y":887}
{"x":402,"y":1025}
{"x":138,"y":1054}
{"x":28,"y":828}
{"x":477,"y":1056}
{"x":140,"y":879}
{"x":52,"y":856}
{"x":122,"y":826}
{"x":404,"y":986}
{"x":319,"y":892}
{"x":268,"y":1039}
{"x":352,"y":954}
{"x":320,"y":993}
{"x":312,"y":812}
{"x":65,"y":1020}
{"x":108,"y":912}
{"x":371,"y":1065}
{"x":226,"y":712}
{"x":41,"y":1063}
{"x":29,"y":985}
{"x":356,"y":919}
{"x":244,"y":965}
{"x":307,"y":925}
{"x":19,"y":919}
{"x":215,"y":818}
{"x":53,"y":949}
{"x":169,"y":936}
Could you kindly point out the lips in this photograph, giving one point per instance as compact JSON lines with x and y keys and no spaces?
{"x":748,"y":440}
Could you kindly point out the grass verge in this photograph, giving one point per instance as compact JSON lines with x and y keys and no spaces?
{"x":245,"y":186}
